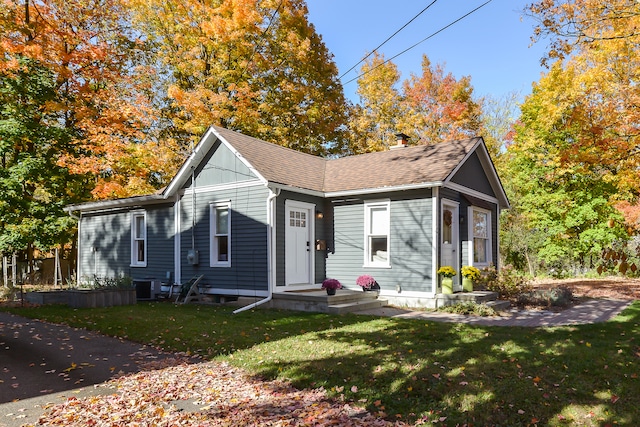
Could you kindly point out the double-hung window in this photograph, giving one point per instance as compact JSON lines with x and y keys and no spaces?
{"x":481,"y":234}
{"x":377,"y":221}
{"x":221,"y":234}
{"x":138,"y":239}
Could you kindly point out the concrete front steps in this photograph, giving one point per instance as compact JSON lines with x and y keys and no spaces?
{"x":344,"y":301}
{"x":487,"y":298}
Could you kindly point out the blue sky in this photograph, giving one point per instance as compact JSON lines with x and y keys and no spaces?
{"x":492,"y":45}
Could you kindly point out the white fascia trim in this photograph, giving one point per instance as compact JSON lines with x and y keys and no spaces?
{"x":465,"y":190}
{"x":364,"y":191}
{"x":110,"y":205}
{"x":490,"y":169}
{"x":298,"y":190}
{"x":462,"y":162}
{"x":198,"y":153}
{"x":239,"y":156}
{"x":222,"y":187}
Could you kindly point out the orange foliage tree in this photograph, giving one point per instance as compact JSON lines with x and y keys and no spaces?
{"x":102,"y":86}
{"x":430,"y":108}
{"x":254,"y":66}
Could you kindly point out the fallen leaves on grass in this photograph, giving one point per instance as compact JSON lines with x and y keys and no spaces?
{"x":206,"y":394}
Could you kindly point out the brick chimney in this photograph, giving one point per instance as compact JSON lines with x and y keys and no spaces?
{"x":401,"y":141}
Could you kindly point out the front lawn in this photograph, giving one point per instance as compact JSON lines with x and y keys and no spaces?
{"x":406,"y":369}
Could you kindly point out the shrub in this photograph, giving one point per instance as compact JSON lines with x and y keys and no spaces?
{"x":509,"y":283}
{"x":470,"y":308}
{"x":487,"y":275}
{"x":554,"y":297}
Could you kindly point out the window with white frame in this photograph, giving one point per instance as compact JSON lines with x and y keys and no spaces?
{"x":377,"y":225}
{"x":221,"y":234}
{"x":139,"y":239}
{"x":481,"y":234}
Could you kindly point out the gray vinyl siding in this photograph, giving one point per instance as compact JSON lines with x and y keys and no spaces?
{"x":472,"y":175}
{"x":110,"y":234}
{"x":221,"y":166}
{"x":411,"y":245}
{"x":249,"y":267}
{"x":320,"y":234}
{"x":465,"y":238}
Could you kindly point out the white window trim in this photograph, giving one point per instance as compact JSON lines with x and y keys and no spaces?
{"x":472,"y":237}
{"x":368,"y":205}
{"x":134,"y":259}
{"x":213,"y":259}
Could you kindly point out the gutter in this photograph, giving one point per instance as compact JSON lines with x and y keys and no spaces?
{"x":271,"y":250}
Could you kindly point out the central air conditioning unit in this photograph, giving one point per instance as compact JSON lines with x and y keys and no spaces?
{"x":147,"y":289}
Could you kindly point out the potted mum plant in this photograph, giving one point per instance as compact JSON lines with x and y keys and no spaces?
{"x":331,"y":285}
{"x":367,"y":283}
{"x":469,"y":275}
{"x":446,"y":272}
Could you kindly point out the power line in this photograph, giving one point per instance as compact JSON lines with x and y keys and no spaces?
{"x":389,"y":38}
{"x":261,"y":39}
{"x":421,"y":41}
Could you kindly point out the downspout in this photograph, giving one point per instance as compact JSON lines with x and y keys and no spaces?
{"x":271,"y":250}
{"x":79,"y":219}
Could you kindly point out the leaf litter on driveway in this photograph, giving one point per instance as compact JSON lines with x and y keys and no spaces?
{"x":169,"y":393}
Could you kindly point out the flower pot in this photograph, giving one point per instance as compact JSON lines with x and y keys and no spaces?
{"x":331,"y":291}
{"x":375,"y":287}
{"x":467,"y":284}
{"x":447,"y":285}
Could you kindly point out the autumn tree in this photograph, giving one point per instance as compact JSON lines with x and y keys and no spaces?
{"x":430,"y":108}
{"x":601,"y":77}
{"x":569,"y":203}
{"x":255,"y":67}
{"x":95,"y":58}
{"x":378,"y":115}
{"x":439,"y":106}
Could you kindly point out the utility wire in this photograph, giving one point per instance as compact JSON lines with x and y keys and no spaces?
{"x":421,"y":41}
{"x":384,"y":42}
{"x":261,"y":40}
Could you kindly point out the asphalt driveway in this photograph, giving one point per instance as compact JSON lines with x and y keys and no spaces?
{"x":38,"y":360}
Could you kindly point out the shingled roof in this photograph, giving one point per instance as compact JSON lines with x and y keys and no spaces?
{"x":405,"y":166}
{"x":424,"y":165}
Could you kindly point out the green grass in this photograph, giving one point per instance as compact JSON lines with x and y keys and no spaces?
{"x":406,"y":369}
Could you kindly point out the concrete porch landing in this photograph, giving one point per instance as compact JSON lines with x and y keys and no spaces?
{"x":344,"y":301}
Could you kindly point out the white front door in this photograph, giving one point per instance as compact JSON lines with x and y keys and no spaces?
{"x":449,"y":241}
{"x":298,"y":244}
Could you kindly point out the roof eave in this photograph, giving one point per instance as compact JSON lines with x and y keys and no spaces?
{"x":115,"y":204}
{"x":378,"y":190}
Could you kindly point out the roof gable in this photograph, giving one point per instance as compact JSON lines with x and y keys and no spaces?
{"x":472,"y":175}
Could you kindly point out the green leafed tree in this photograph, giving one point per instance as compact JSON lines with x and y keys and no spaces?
{"x":34,"y":188}
{"x":570,"y":205}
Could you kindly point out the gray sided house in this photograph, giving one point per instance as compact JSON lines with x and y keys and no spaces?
{"x":255,"y":219}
